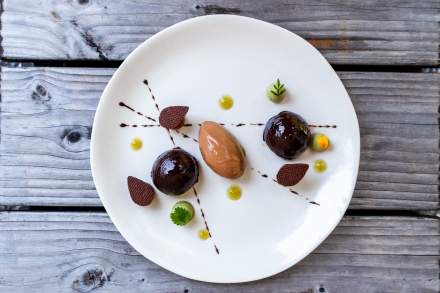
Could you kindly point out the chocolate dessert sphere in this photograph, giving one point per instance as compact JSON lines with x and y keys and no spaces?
{"x":175,"y":171}
{"x":287,"y":135}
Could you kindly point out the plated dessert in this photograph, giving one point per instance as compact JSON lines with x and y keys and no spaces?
{"x":245,"y":201}
{"x":176,"y":171}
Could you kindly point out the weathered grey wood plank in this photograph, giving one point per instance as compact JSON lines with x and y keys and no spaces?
{"x":347,"y":32}
{"x":47,"y":117}
{"x":80,"y":252}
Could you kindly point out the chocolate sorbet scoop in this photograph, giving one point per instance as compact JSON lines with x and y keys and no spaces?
{"x":221,"y":151}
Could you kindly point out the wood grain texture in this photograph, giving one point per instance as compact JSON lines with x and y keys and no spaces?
{"x":346,"y":32}
{"x":47,"y":117}
{"x":83,"y":252}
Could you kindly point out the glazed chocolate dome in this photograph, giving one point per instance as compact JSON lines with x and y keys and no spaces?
{"x":175,"y":171}
{"x":287,"y":135}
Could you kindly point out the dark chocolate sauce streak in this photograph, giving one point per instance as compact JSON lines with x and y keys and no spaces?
{"x":184,"y":135}
{"x":322,"y":126}
{"x":194,"y":189}
{"x":291,"y":190}
{"x":204,"y":220}
{"x":171,"y":137}
{"x":260,"y":173}
{"x":310,"y":201}
{"x":158,"y":109}
{"x":152,"y":95}
{"x":223,"y":124}
{"x":122,"y":104}
{"x":138,"y":125}
{"x":305,"y":197}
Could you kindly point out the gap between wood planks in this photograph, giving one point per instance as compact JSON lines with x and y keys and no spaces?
{"x":8,"y":62}
{"x":352,"y":212}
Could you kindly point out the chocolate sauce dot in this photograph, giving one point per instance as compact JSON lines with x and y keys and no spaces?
{"x":74,"y":137}
{"x":321,"y":289}
{"x":82,"y":2}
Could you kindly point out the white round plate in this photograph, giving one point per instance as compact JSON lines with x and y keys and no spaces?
{"x":194,"y":63}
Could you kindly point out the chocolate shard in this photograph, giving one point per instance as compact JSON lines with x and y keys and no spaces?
{"x":173,"y":117}
{"x":141,"y":192}
{"x":291,"y":174}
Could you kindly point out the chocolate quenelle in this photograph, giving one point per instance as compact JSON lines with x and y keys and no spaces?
{"x":221,"y":151}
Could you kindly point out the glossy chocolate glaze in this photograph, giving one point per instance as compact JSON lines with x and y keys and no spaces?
{"x":287,"y":135}
{"x":175,"y":171}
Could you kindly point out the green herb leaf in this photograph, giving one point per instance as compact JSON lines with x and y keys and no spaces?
{"x":276,"y":91}
{"x":277,"y":88}
{"x":180,"y":216}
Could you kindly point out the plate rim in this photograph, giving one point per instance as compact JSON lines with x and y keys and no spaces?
{"x":150,"y":257}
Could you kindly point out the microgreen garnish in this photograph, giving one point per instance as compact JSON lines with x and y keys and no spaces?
{"x":182,"y":213}
{"x":278,"y":88}
{"x":276,"y":91}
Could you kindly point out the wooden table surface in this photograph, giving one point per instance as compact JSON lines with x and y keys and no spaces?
{"x":57,"y":56}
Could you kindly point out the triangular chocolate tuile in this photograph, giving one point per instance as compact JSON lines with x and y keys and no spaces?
{"x":291,"y":174}
{"x":141,"y":192}
{"x":173,"y":117}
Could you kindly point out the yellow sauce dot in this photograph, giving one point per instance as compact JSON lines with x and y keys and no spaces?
{"x":226,"y":102}
{"x":234,"y":192}
{"x":136,"y":144}
{"x":320,"y":166}
{"x":203,"y":234}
